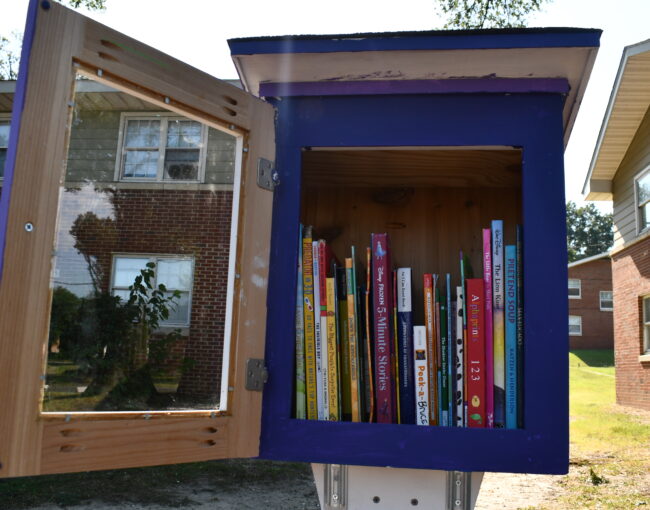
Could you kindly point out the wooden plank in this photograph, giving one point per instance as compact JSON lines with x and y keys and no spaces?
{"x":449,"y":168}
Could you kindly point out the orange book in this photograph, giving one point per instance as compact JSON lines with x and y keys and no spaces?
{"x":430,"y":325}
{"x":353,"y":339}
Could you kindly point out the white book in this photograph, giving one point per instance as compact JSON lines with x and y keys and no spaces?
{"x":459,"y":362}
{"x":321,"y":357}
{"x":421,"y":377}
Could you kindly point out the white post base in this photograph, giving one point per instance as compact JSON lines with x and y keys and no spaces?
{"x":382,"y":488}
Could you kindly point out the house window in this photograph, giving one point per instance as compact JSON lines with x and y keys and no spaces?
{"x":161,"y":148}
{"x":646,"y":325}
{"x":575,"y":325}
{"x":642,"y":197}
{"x":606,"y":300}
{"x":574,"y":288}
{"x":4,"y":143}
{"x":175,"y":273}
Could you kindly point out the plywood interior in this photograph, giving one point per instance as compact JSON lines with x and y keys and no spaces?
{"x":429,"y":216}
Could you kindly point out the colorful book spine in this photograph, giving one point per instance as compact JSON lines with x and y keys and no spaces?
{"x":520,"y":328}
{"x":476,"y":365}
{"x":332,"y":355}
{"x":451,"y":328}
{"x":489,"y":336}
{"x":444,"y":362}
{"x":511,"y":335}
{"x":459,"y":361}
{"x":355,"y":390}
{"x":368,"y":316}
{"x":344,"y":347}
{"x":420,"y":365}
{"x":430,"y":328}
{"x":498,"y":315}
{"x":405,"y":345}
{"x":310,"y":325}
{"x":319,"y":335}
{"x":382,"y":305}
{"x":301,"y":397}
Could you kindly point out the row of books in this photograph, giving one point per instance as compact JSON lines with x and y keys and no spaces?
{"x":359,"y":357}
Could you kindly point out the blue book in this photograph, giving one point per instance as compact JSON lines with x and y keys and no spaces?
{"x":405,"y":346}
{"x":450,"y":354}
{"x":520,"y":328}
{"x":510,"y":289}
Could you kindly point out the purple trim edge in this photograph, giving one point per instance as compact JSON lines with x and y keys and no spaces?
{"x":448,"y":86}
{"x":16,"y":113}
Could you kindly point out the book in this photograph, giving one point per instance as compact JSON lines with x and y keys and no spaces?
{"x":520,"y":327}
{"x":510,"y":289}
{"x":395,"y":351}
{"x":332,"y":354}
{"x":443,"y":370}
{"x":498,"y":319}
{"x":459,"y":361}
{"x":344,"y":347}
{"x":382,"y":304}
{"x":301,"y":397}
{"x":353,"y":345}
{"x":420,"y":366}
{"x":369,"y":349}
{"x":489,"y":336}
{"x":430,"y":329}
{"x":405,"y":346}
{"x":319,"y":334}
{"x":476,"y":365}
{"x":310,"y":325}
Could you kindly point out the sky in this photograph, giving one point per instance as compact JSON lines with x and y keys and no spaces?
{"x":196,"y":32}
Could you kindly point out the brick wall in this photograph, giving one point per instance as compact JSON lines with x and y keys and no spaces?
{"x":597,"y":325}
{"x":631,"y":278}
{"x":158,"y":222}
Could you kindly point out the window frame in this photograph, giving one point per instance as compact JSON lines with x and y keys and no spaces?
{"x":579,"y":317}
{"x":155,"y":258}
{"x":638,"y":213}
{"x":164,"y":117}
{"x":5,"y":118}
{"x":645,"y":327}
{"x":579,"y":287}
{"x":600,"y":300}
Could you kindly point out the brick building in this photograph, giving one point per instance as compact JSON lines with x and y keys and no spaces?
{"x":591,"y":324}
{"x":143,"y":185}
{"x":620,"y":172}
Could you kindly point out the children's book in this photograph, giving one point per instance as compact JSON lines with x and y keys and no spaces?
{"x":301,"y":398}
{"x":476,"y":366}
{"x":420,"y":365}
{"x":443,"y":372}
{"x":369,"y":344}
{"x":310,"y":326}
{"x":511,"y":335}
{"x":459,"y":361}
{"x":520,"y":328}
{"x":489,"y":335}
{"x":395,"y":351}
{"x":355,"y":369}
{"x":405,"y":345}
{"x":320,"y":326}
{"x":498,"y":318}
{"x":344,"y":347}
{"x":332,"y":354}
{"x":430,"y":329}
{"x":382,"y":305}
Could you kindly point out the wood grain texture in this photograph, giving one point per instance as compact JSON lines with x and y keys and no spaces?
{"x":33,"y":443}
{"x":449,"y":168}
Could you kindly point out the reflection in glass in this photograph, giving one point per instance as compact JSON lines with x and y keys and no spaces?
{"x":140,"y":270}
{"x":4,"y":143}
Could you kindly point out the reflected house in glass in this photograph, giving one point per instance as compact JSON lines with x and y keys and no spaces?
{"x":143,"y":185}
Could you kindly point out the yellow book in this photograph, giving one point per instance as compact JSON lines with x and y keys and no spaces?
{"x":353,"y":344}
{"x":332,"y":353}
{"x":310,"y":338}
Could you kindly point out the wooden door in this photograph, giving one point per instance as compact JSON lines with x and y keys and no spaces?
{"x":59,"y":46}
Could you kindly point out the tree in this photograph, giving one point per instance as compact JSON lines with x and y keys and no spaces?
{"x":468,"y":14}
{"x":10,"y":46}
{"x":589,"y":232}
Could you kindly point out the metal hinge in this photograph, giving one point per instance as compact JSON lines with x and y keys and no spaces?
{"x":459,"y":490}
{"x":267,"y":177}
{"x":336,"y":486}
{"x":256,"y":374}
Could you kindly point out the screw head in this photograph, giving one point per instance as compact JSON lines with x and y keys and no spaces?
{"x":29,"y":227}
{"x":167,"y":100}
{"x":45,"y":5}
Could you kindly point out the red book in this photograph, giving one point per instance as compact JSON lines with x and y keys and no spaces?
{"x":475,"y":349}
{"x":382,"y":308}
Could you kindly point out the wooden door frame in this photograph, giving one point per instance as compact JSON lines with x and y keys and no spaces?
{"x":32,"y":442}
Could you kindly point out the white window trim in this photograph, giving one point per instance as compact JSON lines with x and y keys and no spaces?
{"x":645,"y":349}
{"x":154,"y":258}
{"x":163,"y":116}
{"x":3,"y":118}
{"x":600,"y":301}
{"x":579,"y":296}
{"x":637,"y":211}
{"x":580,"y":332}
